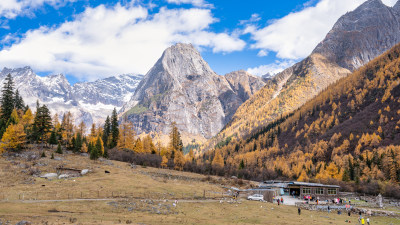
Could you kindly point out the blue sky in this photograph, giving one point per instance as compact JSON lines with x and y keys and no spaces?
{"x":92,"y":39}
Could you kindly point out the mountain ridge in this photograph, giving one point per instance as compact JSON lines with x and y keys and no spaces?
{"x":376,"y":28}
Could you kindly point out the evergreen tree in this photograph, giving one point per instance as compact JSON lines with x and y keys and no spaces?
{"x":78,"y":142}
{"x":6,"y":103}
{"x":7,"y":99}
{"x":59,"y":149}
{"x":107,"y":129}
{"x":42,"y":124}
{"x":99,"y":146}
{"x":94,"y":153}
{"x":114,"y":129}
{"x":18,"y":101}
{"x":53,"y":137}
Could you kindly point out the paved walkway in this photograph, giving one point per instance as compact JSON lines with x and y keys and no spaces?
{"x":289,"y":200}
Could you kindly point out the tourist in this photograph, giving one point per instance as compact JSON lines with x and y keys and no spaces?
{"x":362,"y":221}
{"x":282,"y":200}
{"x":368,"y":220}
{"x":299,"y":211}
{"x":329,"y":209}
{"x":279,"y":201}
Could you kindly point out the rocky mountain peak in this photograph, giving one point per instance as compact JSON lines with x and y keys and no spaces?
{"x":396,"y":7}
{"x":371,"y":4}
{"x":361,"y":35}
{"x":181,"y":60}
{"x":181,"y":87}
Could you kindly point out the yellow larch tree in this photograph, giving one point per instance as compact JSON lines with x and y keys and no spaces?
{"x":14,"y":138}
{"x":127,"y":134}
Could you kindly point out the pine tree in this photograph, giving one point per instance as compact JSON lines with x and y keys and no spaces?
{"x":114,"y":129}
{"x":78,"y":142}
{"x":241,"y":165}
{"x":7,"y":99}
{"x":59,"y":149}
{"x":106,"y":130}
{"x":94,"y":153}
{"x":18,"y":101}
{"x":53,"y":138}
{"x":42,"y":124}
{"x":99,"y":146}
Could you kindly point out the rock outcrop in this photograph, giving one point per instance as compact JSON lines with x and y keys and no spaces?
{"x":182,"y":88}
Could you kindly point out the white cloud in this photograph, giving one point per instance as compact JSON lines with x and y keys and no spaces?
{"x":105,"y":41}
{"x":272,"y":68}
{"x":262,"y":53}
{"x":198,"y":3}
{"x":254,"y":18}
{"x":296,"y":35}
{"x":12,"y":8}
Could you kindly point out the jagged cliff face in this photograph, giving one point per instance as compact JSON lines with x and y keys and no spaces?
{"x":88,"y":102}
{"x":361,"y":35}
{"x":182,"y":88}
{"x":355,"y":39}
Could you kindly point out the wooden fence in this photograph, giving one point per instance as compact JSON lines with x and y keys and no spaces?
{"x":42,"y":195}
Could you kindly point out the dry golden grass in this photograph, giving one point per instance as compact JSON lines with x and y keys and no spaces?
{"x":142,"y":184}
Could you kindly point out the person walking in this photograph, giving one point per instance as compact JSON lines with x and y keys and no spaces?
{"x":282,"y":200}
{"x":329,"y":209}
{"x":279,"y":201}
{"x":368,"y":220}
{"x":362,"y":221}
{"x":299,"y":211}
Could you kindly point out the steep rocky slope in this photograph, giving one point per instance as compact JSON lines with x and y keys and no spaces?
{"x":182,"y":88}
{"x":355,"y":39}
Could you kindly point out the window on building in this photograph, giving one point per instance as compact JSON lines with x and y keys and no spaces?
{"x":319,"y":191}
{"x":306,"y":191}
{"x":332,"y":191}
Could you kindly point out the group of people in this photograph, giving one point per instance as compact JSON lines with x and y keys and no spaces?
{"x":279,"y":200}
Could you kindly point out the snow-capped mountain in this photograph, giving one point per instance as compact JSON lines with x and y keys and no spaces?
{"x":87,"y":101}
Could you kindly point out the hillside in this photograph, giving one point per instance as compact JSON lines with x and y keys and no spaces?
{"x":182,"y":88}
{"x":349,"y":132}
{"x":356,"y":38}
{"x":131,"y":195}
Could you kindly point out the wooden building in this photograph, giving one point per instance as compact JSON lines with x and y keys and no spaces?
{"x":301,"y":189}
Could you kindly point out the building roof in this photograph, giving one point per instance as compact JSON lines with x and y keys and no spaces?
{"x":285,"y":184}
{"x":312,"y":184}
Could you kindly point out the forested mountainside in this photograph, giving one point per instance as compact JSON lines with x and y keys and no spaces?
{"x":349,"y":132}
{"x":356,"y":38}
{"x":182,"y":88}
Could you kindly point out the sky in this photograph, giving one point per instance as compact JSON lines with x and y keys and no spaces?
{"x":93,"y":39}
